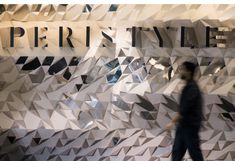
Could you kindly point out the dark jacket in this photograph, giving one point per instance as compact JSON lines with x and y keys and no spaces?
{"x":190,"y":107}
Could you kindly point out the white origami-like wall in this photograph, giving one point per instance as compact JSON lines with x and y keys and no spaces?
{"x":110,"y":94}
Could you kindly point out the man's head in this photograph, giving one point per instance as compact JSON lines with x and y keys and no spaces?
{"x":187,"y":70}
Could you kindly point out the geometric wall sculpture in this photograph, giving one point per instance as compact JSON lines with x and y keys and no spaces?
{"x":111,"y":99}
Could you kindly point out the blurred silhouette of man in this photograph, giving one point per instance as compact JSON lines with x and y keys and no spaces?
{"x":189,"y":117}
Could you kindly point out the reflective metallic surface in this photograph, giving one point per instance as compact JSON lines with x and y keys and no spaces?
{"x":112,"y":101}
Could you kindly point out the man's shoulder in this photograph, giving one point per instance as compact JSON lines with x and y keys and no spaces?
{"x":193,"y":83}
{"x":190,"y":84}
{"x":193,"y":87}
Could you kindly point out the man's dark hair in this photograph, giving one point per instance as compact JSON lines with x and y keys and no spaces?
{"x":190,"y":67}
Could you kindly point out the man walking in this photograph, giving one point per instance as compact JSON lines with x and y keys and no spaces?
{"x":189,"y":117}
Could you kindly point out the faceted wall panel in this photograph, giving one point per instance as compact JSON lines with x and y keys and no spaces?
{"x":109,"y":97}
